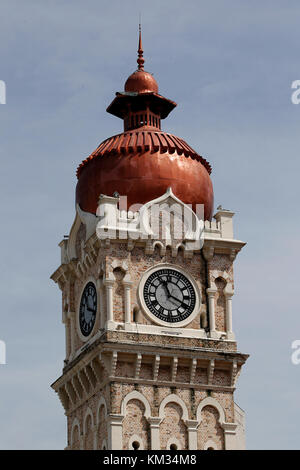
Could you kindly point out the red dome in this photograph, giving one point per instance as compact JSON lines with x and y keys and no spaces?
{"x":141,"y":82}
{"x":142,"y":164}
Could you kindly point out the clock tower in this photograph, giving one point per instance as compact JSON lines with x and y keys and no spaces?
{"x":147,"y":283}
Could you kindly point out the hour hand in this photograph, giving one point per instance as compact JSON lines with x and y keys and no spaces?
{"x":166,"y":286}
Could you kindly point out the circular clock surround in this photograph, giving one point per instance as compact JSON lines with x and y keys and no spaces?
{"x":87,"y":310}
{"x":169,"y":296}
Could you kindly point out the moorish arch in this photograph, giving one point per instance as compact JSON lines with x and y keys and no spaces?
{"x":211,"y":418}
{"x":88,"y":430}
{"x":75,"y":435}
{"x":135,"y":427}
{"x":101,"y":424}
{"x":173,"y":431}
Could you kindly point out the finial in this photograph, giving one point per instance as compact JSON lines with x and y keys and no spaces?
{"x":140,"y":59}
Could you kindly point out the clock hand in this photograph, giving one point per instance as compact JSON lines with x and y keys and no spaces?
{"x":182,"y":303}
{"x":166,"y":286}
{"x":91,"y":310}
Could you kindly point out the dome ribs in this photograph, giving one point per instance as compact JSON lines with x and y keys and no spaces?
{"x":144,"y":141}
{"x":163,"y":142}
{"x":171,"y":145}
{"x":155,"y":140}
{"x":147,"y":136}
{"x":178,"y":144}
{"x":132,"y":142}
{"x":140,"y":141}
{"x":124,"y":142}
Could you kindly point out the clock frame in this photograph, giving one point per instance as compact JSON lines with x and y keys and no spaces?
{"x":170,"y":303}
{"x":87,"y":311}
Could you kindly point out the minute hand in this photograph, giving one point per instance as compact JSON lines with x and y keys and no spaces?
{"x":182,"y":303}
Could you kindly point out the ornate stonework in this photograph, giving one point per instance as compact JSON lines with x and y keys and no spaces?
{"x":133,"y":383}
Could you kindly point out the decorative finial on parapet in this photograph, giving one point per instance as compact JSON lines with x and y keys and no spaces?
{"x":140,"y":59}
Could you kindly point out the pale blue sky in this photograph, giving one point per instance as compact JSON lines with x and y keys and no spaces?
{"x":229,"y":65}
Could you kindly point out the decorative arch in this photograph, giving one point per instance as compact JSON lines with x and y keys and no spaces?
{"x":87,"y":413}
{"x":209,"y":401}
{"x":72,"y":237}
{"x":173,"y":399}
{"x":135,"y":395}
{"x":161,"y":247}
{"x":74,"y":425}
{"x":101,"y":402}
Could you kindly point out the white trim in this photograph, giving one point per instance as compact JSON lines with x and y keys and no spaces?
{"x":135,"y":395}
{"x":173,"y":399}
{"x":134,"y":438}
{"x":71,"y":246}
{"x":209,"y":401}
{"x":144,"y":307}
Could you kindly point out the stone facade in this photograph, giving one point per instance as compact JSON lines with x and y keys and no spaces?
{"x":135,"y":384}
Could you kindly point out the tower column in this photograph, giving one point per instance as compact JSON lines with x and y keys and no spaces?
{"x":109,"y":300}
{"x":228,"y":292}
{"x":230,"y":435}
{"x":211,"y":292}
{"x":66,"y":322}
{"x":127,"y":299}
{"x":154,"y":430}
{"x":115,"y":437}
{"x":192,"y":426}
{"x":101,"y":304}
{"x":71,"y":317}
{"x":228,"y":313}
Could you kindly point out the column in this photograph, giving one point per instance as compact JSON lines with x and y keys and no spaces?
{"x":154,"y":422}
{"x":192,"y":426}
{"x":115,"y":432}
{"x":228,"y":292}
{"x":229,"y":315}
{"x":101,"y":304}
{"x":230,"y":435}
{"x":109,"y":302}
{"x":66,"y":322}
{"x":127,"y":299}
{"x":211,"y":292}
{"x":71,"y":317}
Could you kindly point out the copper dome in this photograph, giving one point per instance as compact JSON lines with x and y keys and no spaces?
{"x":143,"y":162}
{"x":141,"y":81}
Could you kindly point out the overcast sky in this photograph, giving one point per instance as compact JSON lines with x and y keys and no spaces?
{"x":229,"y":65}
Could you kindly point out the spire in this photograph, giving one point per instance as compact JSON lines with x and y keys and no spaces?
{"x":140,"y":59}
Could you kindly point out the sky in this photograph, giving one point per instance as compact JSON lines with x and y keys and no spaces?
{"x":229,"y":65}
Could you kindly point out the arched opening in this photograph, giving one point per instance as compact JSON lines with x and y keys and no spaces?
{"x":173,"y":447}
{"x":136,"y":445}
{"x":135,"y":315}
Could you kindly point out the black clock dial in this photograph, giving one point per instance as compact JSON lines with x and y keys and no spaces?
{"x":169,"y":295}
{"x":88,"y":309}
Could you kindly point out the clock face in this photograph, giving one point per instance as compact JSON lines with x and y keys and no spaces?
{"x":88,"y":309}
{"x":169,"y":295}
